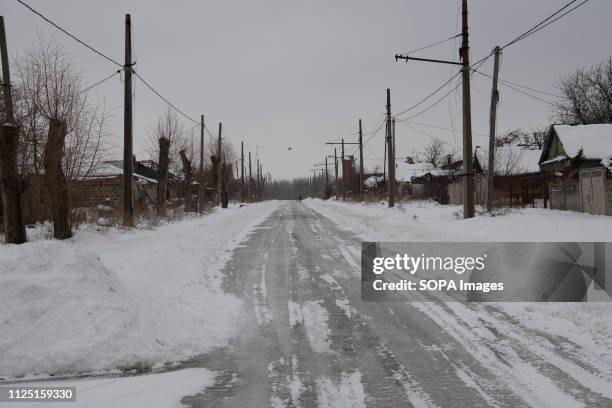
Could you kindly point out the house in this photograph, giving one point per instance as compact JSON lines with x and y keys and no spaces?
{"x":517,"y":180}
{"x":578,"y":160}
{"x":406,"y":171}
{"x":103,"y":184}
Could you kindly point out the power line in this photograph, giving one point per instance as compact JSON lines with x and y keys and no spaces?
{"x":433,"y":45}
{"x":164,"y":99}
{"x":503,"y":81}
{"x":546,"y":22}
{"x":440,"y":127}
{"x":89,"y":88}
{"x":69,"y":34}
{"x":427,"y":97}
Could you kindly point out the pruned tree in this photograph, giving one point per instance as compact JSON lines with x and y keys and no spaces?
{"x":187,"y":181}
{"x":162,"y":182}
{"x":587,"y":95}
{"x":170,"y":128}
{"x":56,"y":180}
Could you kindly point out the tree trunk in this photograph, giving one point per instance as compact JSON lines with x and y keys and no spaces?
{"x":56,"y":181}
{"x":162,"y":182}
{"x":187,"y":183}
{"x":9,"y":184}
{"x":224,"y":195}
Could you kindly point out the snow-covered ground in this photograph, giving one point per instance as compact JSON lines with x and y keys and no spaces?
{"x":580,"y":330}
{"x":427,"y":221}
{"x":115,"y":299}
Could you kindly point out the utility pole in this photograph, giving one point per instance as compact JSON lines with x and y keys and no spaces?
{"x":336,"y":170}
{"x":326,"y":180}
{"x":360,"y":162}
{"x":343,"y":185}
{"x":257,"y":180}
{"x":202,"y":188}
{"x":468,"y":176}
{"x":242,"y":172}
{"x":261,"y":187}
{"x":250,"y":178}
{"x":219,"y":147}
{"x":391,"y":153}
{"x":492,"y":126}
{"x":394,"y":158}
{"x":128,"y":155}
{"x":14,"y":229}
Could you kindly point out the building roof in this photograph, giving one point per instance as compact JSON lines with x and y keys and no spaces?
{"x":404,"y":172}
{"x":112,"y":169}
{"x":595,"y":141}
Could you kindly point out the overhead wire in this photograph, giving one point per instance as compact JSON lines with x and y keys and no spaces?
{"x":74,"y":37}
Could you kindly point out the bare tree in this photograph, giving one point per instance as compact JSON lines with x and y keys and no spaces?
{"x":170,"y":128}
{"x":434,"y":152}
{"x":587,"y":95}
{"x":62,"y":133}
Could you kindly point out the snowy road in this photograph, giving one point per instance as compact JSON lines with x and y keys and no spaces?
{"x":307,"y":339}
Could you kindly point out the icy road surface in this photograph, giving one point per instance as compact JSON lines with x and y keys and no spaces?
{"x":307,"y":339}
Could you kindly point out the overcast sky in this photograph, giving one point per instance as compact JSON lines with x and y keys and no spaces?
{"x":288,"y":73}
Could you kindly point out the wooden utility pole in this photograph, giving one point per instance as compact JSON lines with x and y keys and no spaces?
{"x":261,"y":194}
{"x":128,"y":155}
{"x":336,"y":169}
{"x":257,"y":180}
{"x":201,"y":178}
{"x":326,"y":180}
{"x":242,"y":172}
{"x":468,"y":176}
{"x":219,"y":169}
{"x":250,"y":178}
{"x":14,"y":228}
{"x":360,"y":161}
{"x":391,"y":153}
{"x":343,"y":184}
{"x":492,"y":127}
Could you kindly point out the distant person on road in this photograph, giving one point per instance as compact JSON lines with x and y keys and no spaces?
{"x":299,"y":199}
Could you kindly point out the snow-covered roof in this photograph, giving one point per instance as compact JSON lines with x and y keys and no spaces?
{"x":111,"y":169}
{"x":594,"y":140}
{"x":404,"y":172}
{"x":372,"y":181}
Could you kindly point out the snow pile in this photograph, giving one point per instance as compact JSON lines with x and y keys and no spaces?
{"x":120,"y":300}
{"x":427,"y":221}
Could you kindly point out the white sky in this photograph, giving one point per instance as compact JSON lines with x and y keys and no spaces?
{"x":288,"y":73}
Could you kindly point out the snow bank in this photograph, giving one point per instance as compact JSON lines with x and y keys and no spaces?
{"x":427,"y":221}
{"x":120,"y":300}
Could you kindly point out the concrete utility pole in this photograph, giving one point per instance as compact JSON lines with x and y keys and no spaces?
{"x":391,"y":153}
{"x":202,"y":188}
{"x":14,"y":228}
{"x":492,"y":126}
{"x":360,"y":161}
{"x":242,"y":172}
{"x":261,"y":188}
{"x":468,"y":173}
{"x":219,"y":169}
{"x":128,"y":155}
